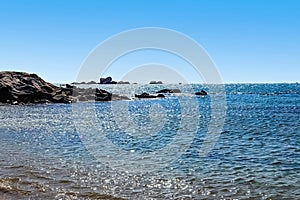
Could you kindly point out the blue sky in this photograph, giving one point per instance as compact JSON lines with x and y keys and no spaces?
{"x":249,"y":41}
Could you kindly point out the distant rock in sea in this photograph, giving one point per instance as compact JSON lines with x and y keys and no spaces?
{"x":156,"y":82}
{"x":107,"y":80}
{"x":123,"y":82}
{"x":83,"y":83}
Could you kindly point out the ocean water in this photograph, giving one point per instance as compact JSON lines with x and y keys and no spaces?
{"x":151,"y":149}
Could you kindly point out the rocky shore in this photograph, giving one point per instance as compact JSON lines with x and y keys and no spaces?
{"x":21,"y":87}
{"x":24,"y":88}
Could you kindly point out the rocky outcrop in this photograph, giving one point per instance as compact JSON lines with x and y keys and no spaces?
{"x":102,"y":95}
{"x":107,"y":80}
{"x":202,"y":92}
{"x":21,"y":87}
{"x":24,"y":88}
{"x":169,"y":91}
{"x":91,"y":94}
{"x":148,"y":96}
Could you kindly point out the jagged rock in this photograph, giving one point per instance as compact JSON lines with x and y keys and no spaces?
{"x":70,"y":86}
{"x":22,"y":88}
{"x":18,"y":88}
{"x":202,"y":92}
{"x":169,"y":91}
{"x":102,"y":95}
{"x":91,"y":94}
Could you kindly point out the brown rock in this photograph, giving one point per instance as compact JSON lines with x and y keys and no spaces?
{"x":23,"y":88}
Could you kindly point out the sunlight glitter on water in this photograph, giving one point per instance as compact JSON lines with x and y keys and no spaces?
{"x":256,"y":156}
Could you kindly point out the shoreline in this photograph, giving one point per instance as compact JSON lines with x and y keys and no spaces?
{"x":24,"y":88}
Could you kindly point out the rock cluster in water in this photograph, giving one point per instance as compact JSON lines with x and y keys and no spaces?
{"x":107,"y":80}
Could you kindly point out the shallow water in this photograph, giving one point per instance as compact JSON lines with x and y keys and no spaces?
{"x":47,"y":152}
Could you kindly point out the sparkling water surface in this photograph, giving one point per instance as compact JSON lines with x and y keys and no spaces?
{"x":257,"y":155}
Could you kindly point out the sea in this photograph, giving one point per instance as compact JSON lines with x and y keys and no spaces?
{"x":242,"y":142}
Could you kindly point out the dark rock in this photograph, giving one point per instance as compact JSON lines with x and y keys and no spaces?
{"x":144,"y":95}
{"x":107,"y":80}
{"x":161,"y":96}
{"x":70,"y":86}
{"x":202,"y":92}
{"x":169,"y":91}
{"x":102,"y":95}
{"x":5,"y":93}
{"x":156,"y":82}
{"x":22,"y":88}
{"x":147,"y":95}
{"x":18,"y":88}
{"x":69,"y":90}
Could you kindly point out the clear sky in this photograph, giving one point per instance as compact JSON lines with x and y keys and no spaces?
{"x":249,"y":40}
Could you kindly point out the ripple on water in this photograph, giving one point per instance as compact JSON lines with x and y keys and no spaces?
{"x":256,"y":156}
